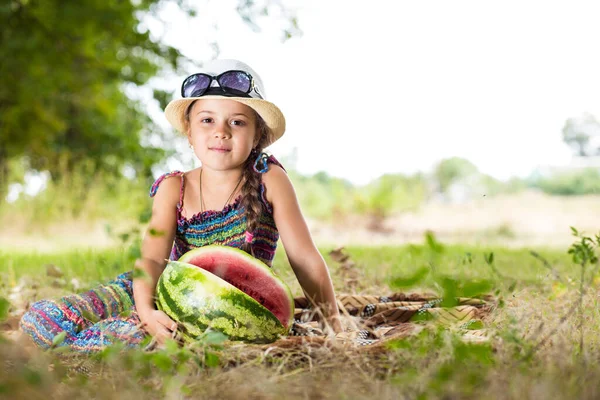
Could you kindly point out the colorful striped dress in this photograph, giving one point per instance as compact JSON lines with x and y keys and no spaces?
{"x":106,"y":314}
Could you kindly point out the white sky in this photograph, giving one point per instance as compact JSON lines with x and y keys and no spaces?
{"x":377,"y":86}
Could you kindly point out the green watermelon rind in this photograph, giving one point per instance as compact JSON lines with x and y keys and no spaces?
{"x":198,"y":252}
{"x":217,"y":305}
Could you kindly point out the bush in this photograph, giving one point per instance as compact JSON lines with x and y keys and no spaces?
{"x":585,"y":181}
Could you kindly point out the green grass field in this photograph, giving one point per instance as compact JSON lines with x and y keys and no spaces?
{"x":543,"y":333}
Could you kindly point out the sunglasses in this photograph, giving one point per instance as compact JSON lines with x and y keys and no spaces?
{"x":232,"y":83}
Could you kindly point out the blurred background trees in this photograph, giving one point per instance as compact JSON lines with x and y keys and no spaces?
{"x":66,"y":71}
{"x":582,"y":134}
{"x":68,"y":116}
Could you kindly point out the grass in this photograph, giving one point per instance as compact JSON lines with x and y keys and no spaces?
{"x":534,"y":352}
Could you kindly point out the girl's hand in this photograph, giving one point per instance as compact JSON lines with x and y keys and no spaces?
{"x":336,"y":324}
{"x":159,"y":326}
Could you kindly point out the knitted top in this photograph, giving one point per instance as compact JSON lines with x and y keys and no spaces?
{"x":226,"y":227}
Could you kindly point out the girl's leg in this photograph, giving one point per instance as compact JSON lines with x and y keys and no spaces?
{"x":123,"y":329}
{"x":76,"y":314}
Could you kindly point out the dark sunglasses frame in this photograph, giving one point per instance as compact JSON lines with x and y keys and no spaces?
{"x":224,"y":88}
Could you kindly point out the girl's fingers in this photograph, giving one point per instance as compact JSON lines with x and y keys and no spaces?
{"x":167,"y":322}
{"x":162,"y":336}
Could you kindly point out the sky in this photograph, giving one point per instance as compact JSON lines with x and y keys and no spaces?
{"x":374,"y":87}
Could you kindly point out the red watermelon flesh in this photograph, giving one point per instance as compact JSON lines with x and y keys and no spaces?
{"x":248,"y":274}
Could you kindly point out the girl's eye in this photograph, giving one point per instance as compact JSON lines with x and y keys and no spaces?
{"x":206,"y":120}
{"x":238,"y":122}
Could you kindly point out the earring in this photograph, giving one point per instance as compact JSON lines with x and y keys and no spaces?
{"x":191,"y":146}
{"x":262,"y":157}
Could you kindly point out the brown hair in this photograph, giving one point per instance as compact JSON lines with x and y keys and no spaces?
{"x":251,"y":194}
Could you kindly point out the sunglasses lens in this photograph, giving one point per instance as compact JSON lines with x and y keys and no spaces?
{"x":235,"y":80}
{"x":195,"y":85}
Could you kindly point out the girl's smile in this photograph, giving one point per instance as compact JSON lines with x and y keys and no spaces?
{"x":220,"y":149}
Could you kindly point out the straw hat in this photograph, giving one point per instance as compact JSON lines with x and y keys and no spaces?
{"x":175,"y":110}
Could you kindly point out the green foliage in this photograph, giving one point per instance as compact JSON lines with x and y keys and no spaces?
{"x":451,"y":287}
{"x":583,"y":251}
{"x":390,"y":193}
{"x":403,"y":282}
{"x":323,"y":196}
{"x":61,"y":84}
{"x":65,"y":73}
{"x":580,"y":182}
{"x":59,"y":339}
{"x":74,"y":195}
{"x":4,"y":307}
{"x":431,"y":363}
{"x":452,"y":170}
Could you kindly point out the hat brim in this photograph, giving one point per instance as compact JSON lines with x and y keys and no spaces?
{"x":269,"y":112}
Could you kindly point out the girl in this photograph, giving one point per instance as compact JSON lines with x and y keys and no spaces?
{"x":239,"y":197}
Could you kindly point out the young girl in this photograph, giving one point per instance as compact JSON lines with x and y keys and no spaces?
{"x":239,"y":197}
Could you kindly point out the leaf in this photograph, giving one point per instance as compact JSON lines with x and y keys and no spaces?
{"x":468,"y":258}
{"x":423,"y":315}
{"x":33,"y":378}
{"x":474,"y":325}
{"x":145,"y":216}
{"x":171,"y":346}
{"x":4,"y":307}
{"x":211,"y":359}
{"x":574,"y":231}
{"x":409,"y":281}
{"x":90,"y":316}
{"x":396,"y":344}
{"x":474,"y":288}
{"x":449,"y":286}
{"x":139,"y":273}
{"x":134,"y":252}
{"x":162,"y":361}
{"x":154,"y":232}
{"x":432,"y":242}
{"x":59,"y":339}
{"x":471,"y":352}
{"x":489,"y":258}
{"x":214,"y":338}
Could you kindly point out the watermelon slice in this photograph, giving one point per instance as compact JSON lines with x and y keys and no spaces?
{"x":249,"y":275}
{"x":198,"y":300}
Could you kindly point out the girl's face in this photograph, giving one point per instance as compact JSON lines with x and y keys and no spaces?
{"x":223,"y":132}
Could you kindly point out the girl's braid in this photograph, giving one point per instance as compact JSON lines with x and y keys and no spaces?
{"x":251,"y":191}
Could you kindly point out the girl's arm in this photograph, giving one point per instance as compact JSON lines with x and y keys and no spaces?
{"x":304,"y":257}
{"x":156,"y":245}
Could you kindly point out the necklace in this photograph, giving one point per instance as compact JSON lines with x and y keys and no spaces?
{"x":202,"y":207}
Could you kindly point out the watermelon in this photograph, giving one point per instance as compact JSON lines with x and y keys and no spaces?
{"x":248,"y":274}
{"x":235,"y":303}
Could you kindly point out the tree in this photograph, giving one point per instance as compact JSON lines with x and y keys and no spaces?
{"x":581,"y":135}
{"x":451,"y":170}
{"x":65,"y":67}
{"x":61,"y":82}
